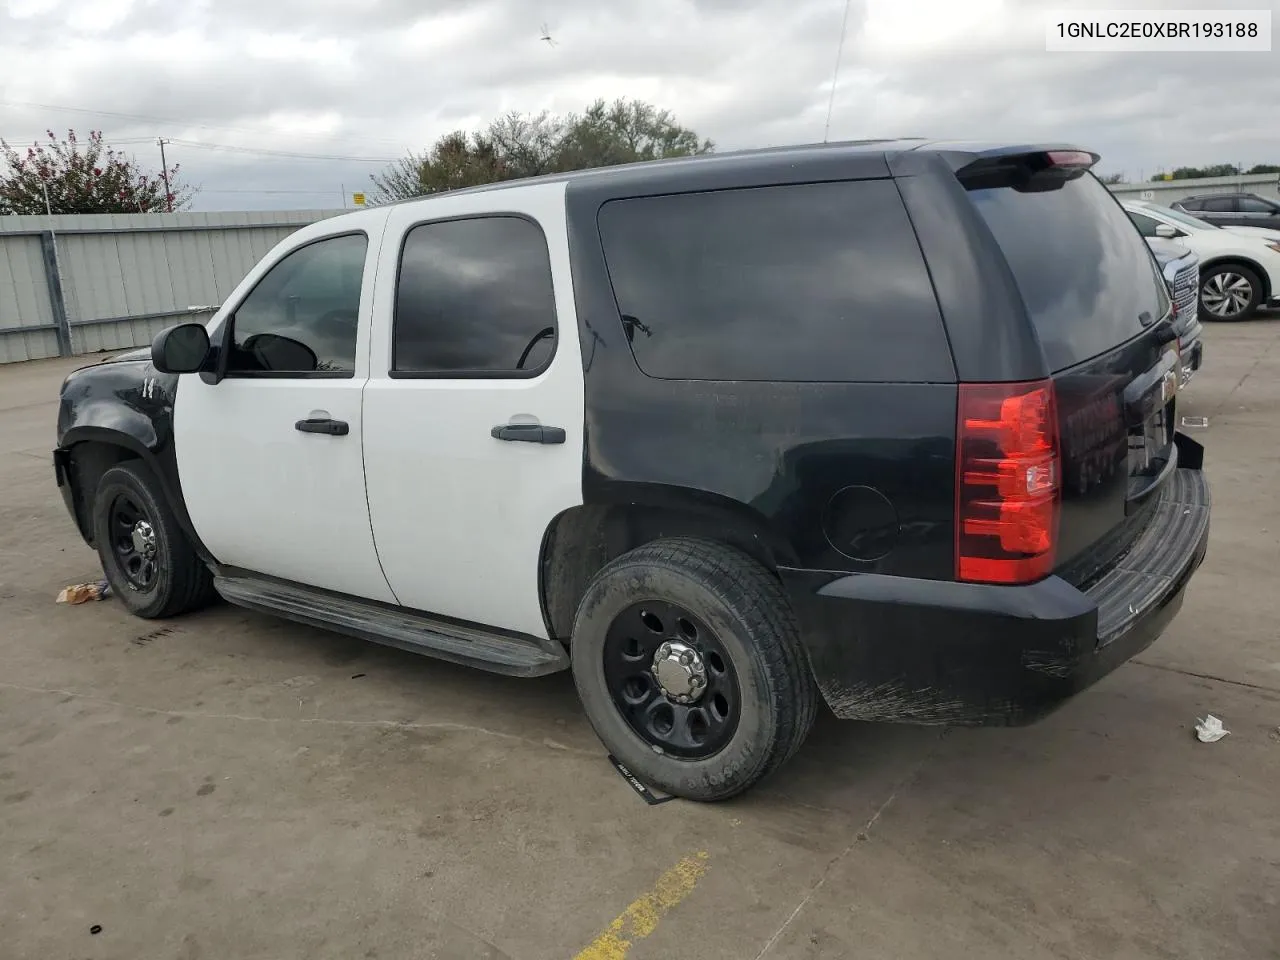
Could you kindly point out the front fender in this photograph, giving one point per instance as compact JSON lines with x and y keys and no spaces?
{"x":128,"y":406}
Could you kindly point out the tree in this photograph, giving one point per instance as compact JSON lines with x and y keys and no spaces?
{"x":456,"y":160}
{"x":83,"y":177}
{"x":624,"y":132}
{"x":1195,"y":173}
{"x":516,"y":145}
{"x":1264,"y":168}
{"x":1110,"y":179}
{"x":529,"y":146}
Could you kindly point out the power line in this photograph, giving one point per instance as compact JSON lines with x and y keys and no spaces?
{"x":186,"y":123}
{"x":233,"y":148}
{"x":309,"y":193}
{"x":290,"y":154}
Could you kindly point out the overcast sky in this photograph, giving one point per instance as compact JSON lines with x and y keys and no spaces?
{"x":375,"y":78}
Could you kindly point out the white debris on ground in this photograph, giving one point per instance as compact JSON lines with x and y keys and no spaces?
{"x":1210,"y":729}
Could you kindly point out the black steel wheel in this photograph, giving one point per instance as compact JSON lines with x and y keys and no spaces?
{"x":672,"y":679}
{"x":133,"y":538}
{"x":148,"y":560}
{"x":688,"y":660}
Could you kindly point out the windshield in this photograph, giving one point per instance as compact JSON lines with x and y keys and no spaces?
{"x":1183,"y":218}
{"x":1084,"y":272}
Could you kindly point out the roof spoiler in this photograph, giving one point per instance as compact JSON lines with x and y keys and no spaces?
{"x":1026,"y":170}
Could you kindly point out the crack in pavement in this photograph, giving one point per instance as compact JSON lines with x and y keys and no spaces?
{"x":1206,"y":676}
{"x":861,"y":836}
{"x":547,"y":743}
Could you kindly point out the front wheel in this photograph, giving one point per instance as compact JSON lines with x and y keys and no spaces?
{"x":688,"y":661}
{"x":145,"y":556}
{"x":1229,"y":292}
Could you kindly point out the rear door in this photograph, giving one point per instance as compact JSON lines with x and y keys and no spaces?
{"x":473,"y":414}
{"x":1100,"y":309}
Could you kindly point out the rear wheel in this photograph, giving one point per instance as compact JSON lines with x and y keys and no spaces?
{"x":688,"y":661}
{"x":1229,"y":291}
{"x":145,"y":556}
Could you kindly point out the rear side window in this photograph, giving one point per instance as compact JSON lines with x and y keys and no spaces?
{"x":474,"y":298}
{"x":1084,"y":272}
{"x":814,"y":282}
{"x":1254,"y":205}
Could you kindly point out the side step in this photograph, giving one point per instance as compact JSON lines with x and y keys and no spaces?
{"x":513,"y":654}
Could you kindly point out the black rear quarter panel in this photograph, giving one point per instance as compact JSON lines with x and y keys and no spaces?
{"x":783,"y":450}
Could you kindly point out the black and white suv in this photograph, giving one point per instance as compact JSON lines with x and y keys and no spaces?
{"x":889,"y":424}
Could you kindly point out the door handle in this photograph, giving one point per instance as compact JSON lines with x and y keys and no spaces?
{"x":334,"y":428}
{"x":527,"y":433}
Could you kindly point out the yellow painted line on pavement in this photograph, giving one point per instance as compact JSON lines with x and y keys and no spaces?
{"x":642,"y":916}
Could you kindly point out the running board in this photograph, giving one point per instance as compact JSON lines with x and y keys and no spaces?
{"x":513,"y":654}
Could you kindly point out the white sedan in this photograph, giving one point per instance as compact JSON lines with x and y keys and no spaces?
{"x":1239,"y":266}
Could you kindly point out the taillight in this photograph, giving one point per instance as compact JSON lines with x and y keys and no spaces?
{"x":1008,"y":482}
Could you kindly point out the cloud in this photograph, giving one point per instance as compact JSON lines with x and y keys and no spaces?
{"x":328,"y":78}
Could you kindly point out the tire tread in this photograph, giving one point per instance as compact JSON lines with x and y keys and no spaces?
{"x":743,"y":585}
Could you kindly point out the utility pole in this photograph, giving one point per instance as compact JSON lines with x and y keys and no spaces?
{"x":164,"y":172}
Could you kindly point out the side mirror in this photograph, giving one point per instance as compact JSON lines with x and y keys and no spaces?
{"x":1166,"y":231}
{"x":180,"y":349}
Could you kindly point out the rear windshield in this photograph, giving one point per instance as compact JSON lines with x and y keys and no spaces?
{"x":1084,"y":271}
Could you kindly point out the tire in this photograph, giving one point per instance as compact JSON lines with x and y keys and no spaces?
{"x":1224,"y":285}
{"x":129,"y":495}
{"x":733,"y":606}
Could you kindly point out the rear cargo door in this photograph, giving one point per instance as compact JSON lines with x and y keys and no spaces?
{"x":1101,"y":312}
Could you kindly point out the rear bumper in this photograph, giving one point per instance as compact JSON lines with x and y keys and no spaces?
{"x":924,"y":651}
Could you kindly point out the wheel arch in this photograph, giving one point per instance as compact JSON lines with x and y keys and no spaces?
{"x":579,"y":541}
{"x":1239,"y":260}
{"x":90,"y":450}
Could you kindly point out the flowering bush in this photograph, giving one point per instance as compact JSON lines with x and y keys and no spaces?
{"x":83,"y":177}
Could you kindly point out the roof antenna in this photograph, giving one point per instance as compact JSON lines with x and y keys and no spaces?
{"x":835,"y":73}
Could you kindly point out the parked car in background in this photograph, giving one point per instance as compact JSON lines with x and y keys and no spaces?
{"x":890,"y":424}
{"x":1239,"y":272}
{"x":1181,"y":270}
{"x":1232,"y":209}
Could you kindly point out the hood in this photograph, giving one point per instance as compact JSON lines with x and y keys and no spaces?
{"x":1265,"y":233}
{"x":138,"y":353}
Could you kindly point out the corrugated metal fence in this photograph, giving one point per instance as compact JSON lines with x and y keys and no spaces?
{"x":80,"y":284}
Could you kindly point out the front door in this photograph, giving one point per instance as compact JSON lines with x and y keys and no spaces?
{"x":270,"y":457}
{"x":474,"y":408}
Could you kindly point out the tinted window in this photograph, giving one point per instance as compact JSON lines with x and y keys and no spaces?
{"x":1219,"y":205}
{"x":1083,"y":271}
{"x":303,"y":314}
{"x":1191,"y":204}
{"x":1146,"y":226}
{"x":813,"y":282}
{"x":1254,"y":205}
{"x":474,"y":297}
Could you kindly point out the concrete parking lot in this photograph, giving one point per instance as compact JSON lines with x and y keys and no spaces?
{"x":228,"y":785}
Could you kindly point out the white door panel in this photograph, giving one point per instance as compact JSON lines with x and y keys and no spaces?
{"x":459,"y":516}
{"x":268,"y":498}
{"x":262,"y":494}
